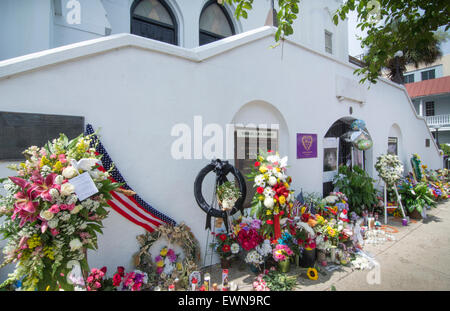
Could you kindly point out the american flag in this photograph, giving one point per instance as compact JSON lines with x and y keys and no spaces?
{"x":133,"y":208}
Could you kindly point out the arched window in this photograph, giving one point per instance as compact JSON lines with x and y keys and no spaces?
{"x":215,"y":23}
{"x":153,"y":19}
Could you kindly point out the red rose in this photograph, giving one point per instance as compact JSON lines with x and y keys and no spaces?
{"x":257,"y":164}
{"x":281,"y":213}
{"x":269,"y":222}
{"x":121,"y":270}
{"x":103,"y":269}
{"x":226,"y":248}
{"x":117,"y":279}
{"x":260,"y":190}
{"x":223,"y":237}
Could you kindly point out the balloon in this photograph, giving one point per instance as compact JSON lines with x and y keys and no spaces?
{"x":358,"y":125}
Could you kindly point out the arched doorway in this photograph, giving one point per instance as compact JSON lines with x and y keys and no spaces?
{"x":338,"y":150}
{"x":257,"y":125}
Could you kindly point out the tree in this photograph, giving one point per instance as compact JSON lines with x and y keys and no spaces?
{"x":423,"y":55}
{"x":392,"y":26}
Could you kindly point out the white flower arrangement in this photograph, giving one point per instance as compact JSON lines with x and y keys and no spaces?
{"x":254,"y":258}
{"x":389,"y":168}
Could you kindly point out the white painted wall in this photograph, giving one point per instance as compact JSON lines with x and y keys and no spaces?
{"x":139,"y":89}
{"x":30,"y":26}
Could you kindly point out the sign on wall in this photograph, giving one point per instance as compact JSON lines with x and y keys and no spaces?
{"x":18,"y":131}
{"x":393,"y":145}
{"x":306,"y":146}
{"x":330,"y":158}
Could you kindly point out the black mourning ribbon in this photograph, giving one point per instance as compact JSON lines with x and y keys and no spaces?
{"x":219,"y":170}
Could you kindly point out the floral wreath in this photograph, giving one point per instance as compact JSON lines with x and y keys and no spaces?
{"x":180,"y":235}
{"x":389,"y":168}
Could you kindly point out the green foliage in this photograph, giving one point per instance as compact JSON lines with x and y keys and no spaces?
{"x":416,"y":197}
{"x":401,"y":25}
{"x":446,"y":149}
{"x":357,"y":185}
{"x":391,"y":26}
{"x":278,"y":281}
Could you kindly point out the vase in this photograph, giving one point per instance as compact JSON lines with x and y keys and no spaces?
{"x":256,"y":269}
{"x":225,"y":263}
{"x":284,"y":265}
{"x":308,"y":258}
{"x":333,"y":254}
{"x":322,"y":257}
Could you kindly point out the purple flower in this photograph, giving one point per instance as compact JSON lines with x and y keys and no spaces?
{"x":158,"y":258}
{"x":256,"y":224}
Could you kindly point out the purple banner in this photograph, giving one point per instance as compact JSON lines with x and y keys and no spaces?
{"x":306,"y":146}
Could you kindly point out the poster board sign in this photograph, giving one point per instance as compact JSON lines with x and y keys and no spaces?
{"x":306,"y":146}
{"x":392,"y":145}
{"x":330,"y":158}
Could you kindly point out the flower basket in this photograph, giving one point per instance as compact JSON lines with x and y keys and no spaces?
{"x":284,"y":265}
{"x":308,"y":258}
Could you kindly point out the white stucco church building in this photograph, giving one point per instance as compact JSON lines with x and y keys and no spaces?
{"x":138,"y":69}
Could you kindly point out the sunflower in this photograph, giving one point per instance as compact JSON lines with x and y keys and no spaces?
{"x":312,"y":274}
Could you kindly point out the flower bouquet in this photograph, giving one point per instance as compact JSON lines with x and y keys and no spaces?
{"x":389,"y":168}
{"x":131,"y":281}
{"x":225,"y":246}
{"x":48,"y":228}
{"x":254,"y":259}
{"x":282,"y":254}
{"x":273,"y":199}
{"x":227,"y":195}
{"x":167,"y":261}
{"x":96,"y":281}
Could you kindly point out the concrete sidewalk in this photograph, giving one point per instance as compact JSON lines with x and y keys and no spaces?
{"x":418,"y":259}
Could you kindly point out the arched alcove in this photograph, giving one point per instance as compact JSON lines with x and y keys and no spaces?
{"x":395,"y":144}
{"x":257,"y":125}
{"x":338,"y":151}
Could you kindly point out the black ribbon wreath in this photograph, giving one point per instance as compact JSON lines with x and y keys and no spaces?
{"x":221,"y":169}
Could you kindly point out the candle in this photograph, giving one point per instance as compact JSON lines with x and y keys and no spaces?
{"x":404,"y":222}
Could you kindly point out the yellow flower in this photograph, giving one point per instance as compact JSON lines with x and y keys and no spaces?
{"x":58,"y":166}
{"x":268,"y":212}
{"x":282,"y":200}
{"x":44,"y":161}
{"x":291,"y":204}
{"x":286,"y":185}
{"x":179,"y":266}
{"x":278,"y":169}
{"x":276,"y":210}
{"x":160,"y":264}
{"x":312,"y":274}
{"x":164,"y":251}
{"x":261,"y":197}
{"x":263,"y":169}
{"x":303,"y":209}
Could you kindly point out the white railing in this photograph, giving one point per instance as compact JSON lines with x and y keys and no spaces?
{"x":439,"y":120}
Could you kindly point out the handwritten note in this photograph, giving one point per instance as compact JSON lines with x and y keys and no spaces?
{"x":84,"y":186}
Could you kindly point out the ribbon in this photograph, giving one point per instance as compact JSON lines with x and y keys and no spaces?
{"x":276,"y":226}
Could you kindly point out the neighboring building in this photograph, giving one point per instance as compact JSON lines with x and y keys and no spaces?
{"x":431,"y":99}
{"x":440,"y":68}
{"x":137,"y":90}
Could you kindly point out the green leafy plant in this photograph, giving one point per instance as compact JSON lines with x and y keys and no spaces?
{"x":278,"y":281}
{"x":357,"y":185}
{"x":416,"y":197}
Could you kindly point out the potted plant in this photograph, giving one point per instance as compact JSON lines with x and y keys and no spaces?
{"x":225,"y":246}
{"x":416,"y":198}
{"x":282,"y":254}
